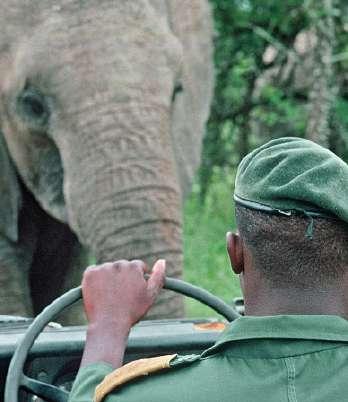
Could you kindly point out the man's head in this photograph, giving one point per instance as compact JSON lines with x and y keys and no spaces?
{"x":292,"y":216}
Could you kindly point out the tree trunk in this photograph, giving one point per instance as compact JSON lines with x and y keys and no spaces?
{"x":323,"y":90}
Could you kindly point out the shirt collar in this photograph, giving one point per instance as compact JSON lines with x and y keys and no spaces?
{"x":300,"y":327}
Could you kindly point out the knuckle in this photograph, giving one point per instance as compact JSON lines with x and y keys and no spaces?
{"x":106,"y":265}
{"x":120,"y":264}
{"x":99,"y":267}
{"x":89,"y":271}
{"x":138,"y":264}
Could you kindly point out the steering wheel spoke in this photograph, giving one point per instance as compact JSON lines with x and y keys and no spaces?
{"x":48,"y":392}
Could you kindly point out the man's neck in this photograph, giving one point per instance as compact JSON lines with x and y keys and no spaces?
{"x":330,"y":301}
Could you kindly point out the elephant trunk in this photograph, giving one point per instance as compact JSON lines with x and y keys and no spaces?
{"x":147,"y":227}
{"x":123,"y":195}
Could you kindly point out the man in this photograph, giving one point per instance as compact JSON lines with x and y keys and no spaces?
{"x":291,"y":254}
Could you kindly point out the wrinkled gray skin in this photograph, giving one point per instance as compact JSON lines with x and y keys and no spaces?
{"x":97,"y":147}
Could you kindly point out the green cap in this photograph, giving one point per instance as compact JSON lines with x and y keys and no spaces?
{"x":293,"y":175}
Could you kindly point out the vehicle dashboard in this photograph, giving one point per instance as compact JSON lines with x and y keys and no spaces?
{"x":56,"y":355}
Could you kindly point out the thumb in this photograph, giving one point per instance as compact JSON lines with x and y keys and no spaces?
{"x":156,"y":280}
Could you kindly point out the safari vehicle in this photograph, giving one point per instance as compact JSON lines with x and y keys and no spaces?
{"x":40,"y":359}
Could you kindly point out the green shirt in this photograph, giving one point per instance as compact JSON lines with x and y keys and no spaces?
{"x":274,"y":359}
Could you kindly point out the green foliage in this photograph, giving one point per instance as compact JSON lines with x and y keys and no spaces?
{"x":342,"y":112}
{"x":340,"y":123}
{"x":278,"y":110}
{"x":242,"y":116}
{"x":244,"y":29}
{"x":205,"y":258}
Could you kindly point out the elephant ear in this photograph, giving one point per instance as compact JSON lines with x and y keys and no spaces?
{"x":191,"y":23}
{"x":10,"y":194}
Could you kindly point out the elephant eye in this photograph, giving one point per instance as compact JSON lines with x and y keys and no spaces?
{"x":177,"y":89}
{"x":33,"y":107}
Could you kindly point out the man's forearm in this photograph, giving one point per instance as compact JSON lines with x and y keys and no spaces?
{"x":105,"y":343}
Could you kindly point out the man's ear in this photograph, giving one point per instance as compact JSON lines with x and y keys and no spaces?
{"x":10,"y":194}
{"x":235,"y":252}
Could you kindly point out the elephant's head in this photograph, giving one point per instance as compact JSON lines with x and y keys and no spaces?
{"x":92,"y":120}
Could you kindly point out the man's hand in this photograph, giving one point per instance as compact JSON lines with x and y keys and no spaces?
{"x":116,"y":296}
{"x":118,"y":292}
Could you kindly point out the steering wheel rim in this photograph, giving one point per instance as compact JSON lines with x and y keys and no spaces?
{"x":16,"y":378}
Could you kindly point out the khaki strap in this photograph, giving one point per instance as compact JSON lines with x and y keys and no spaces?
{"x":129,"y":372}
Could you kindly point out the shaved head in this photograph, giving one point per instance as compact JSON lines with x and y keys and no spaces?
{"x":283,"y":254}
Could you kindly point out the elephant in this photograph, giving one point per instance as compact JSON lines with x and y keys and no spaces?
{"x":103,"y":106}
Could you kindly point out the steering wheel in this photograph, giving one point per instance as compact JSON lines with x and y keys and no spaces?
{"x":16,"y":378}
